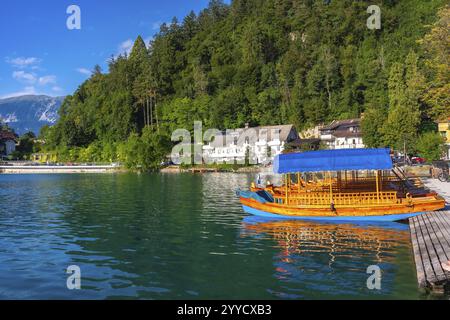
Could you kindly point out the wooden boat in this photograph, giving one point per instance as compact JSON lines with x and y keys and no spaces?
{"x":376,"y":197}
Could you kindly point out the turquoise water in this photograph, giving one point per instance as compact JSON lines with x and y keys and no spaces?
{"x":182,"y":236}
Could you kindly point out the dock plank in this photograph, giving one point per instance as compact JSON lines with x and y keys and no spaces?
{"x":430,"y":242}
{"x":444,"y":228}
{"x":444,"y":218}
{"x":417,"y":256}
{"x":442,"y":233}
{"x":430,"y":276}
{"x":430,"y":238}
{"x":438,"y":254}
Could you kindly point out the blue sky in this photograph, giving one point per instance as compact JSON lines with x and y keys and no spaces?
{"x":40,"y":55}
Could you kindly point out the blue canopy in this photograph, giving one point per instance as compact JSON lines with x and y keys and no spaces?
{"x":333,"y":160}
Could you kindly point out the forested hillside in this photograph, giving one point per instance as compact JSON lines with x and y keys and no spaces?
{"x":264,"y":62}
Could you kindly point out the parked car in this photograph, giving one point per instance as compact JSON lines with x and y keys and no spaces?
{"x":417,"y":160}
{"x":166,"y":163}
{"x":398,"y":159}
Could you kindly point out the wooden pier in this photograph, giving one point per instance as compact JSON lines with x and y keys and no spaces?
{"x":430,"y":236}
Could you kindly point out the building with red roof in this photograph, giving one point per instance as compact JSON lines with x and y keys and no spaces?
{"x":8,"y":141}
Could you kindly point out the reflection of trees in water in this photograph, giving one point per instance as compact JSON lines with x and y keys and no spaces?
{"x":131,"y":226}
{"x":226,"y":183}
{"x":339,"y":241}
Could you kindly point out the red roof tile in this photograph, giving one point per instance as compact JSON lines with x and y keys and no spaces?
{"x":7,"y":135}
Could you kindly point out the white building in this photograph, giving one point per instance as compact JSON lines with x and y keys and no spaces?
{"x":258,"y":144}
{"x":343,"y":134}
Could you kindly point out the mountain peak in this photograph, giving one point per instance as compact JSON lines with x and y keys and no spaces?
{"x":30,"y":112}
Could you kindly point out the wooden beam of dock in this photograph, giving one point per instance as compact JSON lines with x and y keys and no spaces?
{"x":430,"y":237}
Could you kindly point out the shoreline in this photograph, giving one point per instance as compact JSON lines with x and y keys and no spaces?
{"x":114,"y":169}
{"x":177,"y":169}
{"x":420,"y":171}
{"x":58,"y":169}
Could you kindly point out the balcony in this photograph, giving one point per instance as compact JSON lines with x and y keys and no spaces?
{"x":327,"y":137}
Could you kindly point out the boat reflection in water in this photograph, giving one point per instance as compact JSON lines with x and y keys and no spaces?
{"x":333,"y":258}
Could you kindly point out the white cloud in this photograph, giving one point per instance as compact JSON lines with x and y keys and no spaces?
{"x":37,"y":68}
{"x":125,"y":47}
{"x":84,"y":71}
{"x":26,"y":91}
{"x":57,"y":89}
{"x":22,"y":62}
{"x":47,"y":80}
{"x":24,"y":76}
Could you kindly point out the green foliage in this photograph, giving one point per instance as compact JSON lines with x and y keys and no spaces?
{"x":405,"y":89}
{"x":436,"y":44}
{"x":372,"y":125}
{"x":144,"y":153}
{"x":430,"y":146}
{"x":26,"y":146}
{"x":262,"y":62}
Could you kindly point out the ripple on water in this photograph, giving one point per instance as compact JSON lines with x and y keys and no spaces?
{"x":180,"y":236}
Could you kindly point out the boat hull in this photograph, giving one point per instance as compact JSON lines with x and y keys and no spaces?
{"x":385,"y":218}
{"x":393,"y":212}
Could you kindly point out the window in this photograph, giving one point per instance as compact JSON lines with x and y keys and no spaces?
{"x":263,"y":135}
{"x":277,"y":134}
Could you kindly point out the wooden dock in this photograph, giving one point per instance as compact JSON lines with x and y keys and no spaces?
{"x":430,"y":236}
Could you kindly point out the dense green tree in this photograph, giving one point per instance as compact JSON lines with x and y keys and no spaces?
{"x":372,"y":126}
{"x":430,"y":146}
{"x":263,"y":62}
{"x":436,"y":44}
{"x":402,"y":124}
{"x":26,"y":146}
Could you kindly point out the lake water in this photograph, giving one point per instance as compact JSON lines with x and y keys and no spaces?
{"x":182,"y":236}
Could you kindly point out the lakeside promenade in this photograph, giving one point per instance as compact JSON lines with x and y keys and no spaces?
{"x":37,"y":169}
{"x":443,"y":188}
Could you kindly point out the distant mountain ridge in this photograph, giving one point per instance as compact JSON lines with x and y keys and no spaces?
{"x":29,"y":112}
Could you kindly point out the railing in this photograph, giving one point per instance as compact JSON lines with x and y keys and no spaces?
{"x":362,"y":186}
{"x":323,"y":198}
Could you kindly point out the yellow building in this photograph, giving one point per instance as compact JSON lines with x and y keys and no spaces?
{"x":43,"y":157}
{"x":444,"y":130}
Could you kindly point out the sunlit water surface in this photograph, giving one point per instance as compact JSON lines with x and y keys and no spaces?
{"x":182,"y":236}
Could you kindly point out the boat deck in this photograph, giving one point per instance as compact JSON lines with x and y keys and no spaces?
{"x":430,"y":236}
